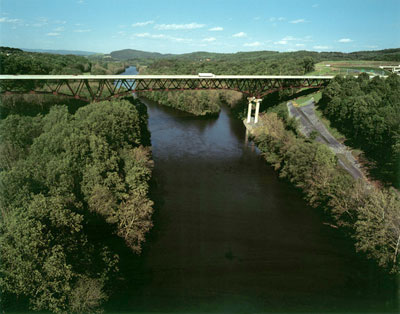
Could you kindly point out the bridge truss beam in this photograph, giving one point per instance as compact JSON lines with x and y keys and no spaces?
{"x":96,"y":88}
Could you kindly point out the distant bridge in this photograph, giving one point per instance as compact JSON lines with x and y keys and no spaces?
{"x":102,"y":87}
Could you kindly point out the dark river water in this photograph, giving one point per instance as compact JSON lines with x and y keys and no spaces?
{"x":230,"y":236}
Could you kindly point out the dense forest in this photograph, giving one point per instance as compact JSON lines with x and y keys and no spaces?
{"x":16,"y":61}
{"x":293,"y":66}
{"x":66,"y":179}
{"x":367,"y":112}
{"x":369,"y":215}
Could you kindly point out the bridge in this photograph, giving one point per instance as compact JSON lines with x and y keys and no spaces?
{"x":103,"y":87}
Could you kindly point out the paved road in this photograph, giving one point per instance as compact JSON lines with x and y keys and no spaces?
{"x":309,"y":122}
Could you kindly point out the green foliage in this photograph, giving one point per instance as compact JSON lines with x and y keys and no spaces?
{"x":34,"y":250}
{"x":199,"y":103}
{"x":65,"y":170}
{"x":232,"y":65}
{"x":16,"y":136}
{"x":368,"y":113}
{"x":370,"y":215}
{"x":385,"y":55}
{"x":377,"y":229}
{"x":20,"y":62}
{"x":127,"y":54}
{"x":87,"y":296}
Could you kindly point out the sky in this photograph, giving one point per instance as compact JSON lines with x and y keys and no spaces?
{"x":175,"y":26}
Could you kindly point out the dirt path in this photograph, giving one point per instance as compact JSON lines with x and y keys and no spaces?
{"x":309,"y":122}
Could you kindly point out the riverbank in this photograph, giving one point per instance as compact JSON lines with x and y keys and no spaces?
{"x":364,"y":212}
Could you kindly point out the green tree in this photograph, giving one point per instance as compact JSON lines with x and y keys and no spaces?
{"x":74,"y":167}
{"x":378,"y":229}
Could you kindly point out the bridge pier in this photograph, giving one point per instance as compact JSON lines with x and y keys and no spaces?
{"x":250,"y":109}
{"x":250,"y":99}
{"x":257,"y":110}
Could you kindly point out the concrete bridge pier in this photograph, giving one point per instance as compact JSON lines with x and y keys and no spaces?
{"x":257,"y":110}
{"x":250,"y":99}
{"x":250,"y":109}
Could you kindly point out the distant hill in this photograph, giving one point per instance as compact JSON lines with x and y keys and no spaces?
{"x":127,"y":54}
{"x":132,"y":54}
{"x":382,"y":55}
{"x":62,"y":52}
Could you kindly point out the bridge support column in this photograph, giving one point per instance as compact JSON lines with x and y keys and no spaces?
{"x":250,"y":99}
{"x":249,"y":109}
{"x":257,"y":110}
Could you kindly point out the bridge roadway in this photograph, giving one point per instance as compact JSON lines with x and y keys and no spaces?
{"x":133,"y":77}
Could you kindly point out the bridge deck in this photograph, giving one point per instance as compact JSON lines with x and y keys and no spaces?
{"x":168,"y":77}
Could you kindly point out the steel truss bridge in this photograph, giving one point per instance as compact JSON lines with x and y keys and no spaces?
{"x":102,"y":87}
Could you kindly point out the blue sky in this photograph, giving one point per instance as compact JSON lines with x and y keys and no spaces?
{"x":175,"y":26}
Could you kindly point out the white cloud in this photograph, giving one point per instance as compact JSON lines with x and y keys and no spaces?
{"x":178,"y":26}
{"x":321,"y":47}
{"x":8,"y":20}
{"x":298,"y":21}
{"x":53,"y":34}
{"x":82,"y":30}
{"x":147,"y":35}
{"x":161,"y":36}
{"x":288,"y":38}
{"x":240,"y":34}
{"x":59,"y":29}
{"x":139,"y":24}
{"x":253,"y":44}
{"x":209,"y":39}
{"x":216,"y":29}
{"x":274,"y":19}
{"x":345,"y":40}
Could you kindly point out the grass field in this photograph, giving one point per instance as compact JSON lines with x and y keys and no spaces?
{"x":303,"y":100}
{"x":350,"y":67}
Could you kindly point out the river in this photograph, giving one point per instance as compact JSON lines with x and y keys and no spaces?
{"x":230,"y":236}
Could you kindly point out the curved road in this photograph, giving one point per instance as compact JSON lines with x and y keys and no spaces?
{"x":309,"y":122}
